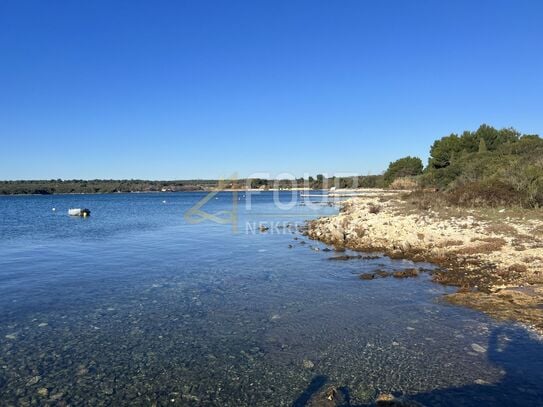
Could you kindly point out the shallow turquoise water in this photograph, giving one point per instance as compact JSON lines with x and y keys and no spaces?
{"x":135,"y":306}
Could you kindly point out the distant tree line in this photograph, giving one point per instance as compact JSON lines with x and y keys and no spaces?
{"x":320,"y":181}
{"x":97,"y":186}
{"x":58,"y":186}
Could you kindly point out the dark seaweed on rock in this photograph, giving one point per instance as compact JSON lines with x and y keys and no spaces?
{"x":354,"y":257}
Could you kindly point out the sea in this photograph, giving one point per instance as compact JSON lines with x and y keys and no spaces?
{"x":219,"y":299}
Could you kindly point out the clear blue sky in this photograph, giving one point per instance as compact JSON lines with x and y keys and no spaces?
{"x":202,"y":89}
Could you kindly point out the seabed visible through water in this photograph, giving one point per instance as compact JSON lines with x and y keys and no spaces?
{"x":147,"y":309}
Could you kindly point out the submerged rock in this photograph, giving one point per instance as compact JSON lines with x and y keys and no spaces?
{"x":353,"y":257}
{"x":383,"y":273}
{"x":331,"y":397}
{"x":388,"y":400}
{"x":374,"y":275}
{"x":344,"y":257}
{"x":385,"y":399}
{"x":406,"y":273}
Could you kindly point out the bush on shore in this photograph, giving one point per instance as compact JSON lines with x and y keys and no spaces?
{"x":407,"y":183}
{"x":404,"y":167}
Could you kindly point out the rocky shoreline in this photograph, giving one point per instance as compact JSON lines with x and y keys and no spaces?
{"x":493,"y":256}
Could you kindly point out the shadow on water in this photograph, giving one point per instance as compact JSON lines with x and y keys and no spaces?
{"x":519,"y":357}
{"x":316,"y":385}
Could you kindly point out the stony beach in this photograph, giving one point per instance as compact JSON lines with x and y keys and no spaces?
{"x":494,"y":256}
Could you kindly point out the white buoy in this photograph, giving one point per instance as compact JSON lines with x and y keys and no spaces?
{"x":163,"y":201}
{"x":54,"y":209}
{"x":79,"y":212}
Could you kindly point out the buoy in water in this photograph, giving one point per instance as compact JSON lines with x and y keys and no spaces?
{"x":83,"y":212}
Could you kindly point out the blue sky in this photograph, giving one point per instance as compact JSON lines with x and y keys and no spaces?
{"x":203,"y":89}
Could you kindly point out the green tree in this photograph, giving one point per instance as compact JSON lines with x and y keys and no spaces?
{"x":404,"y":167}
{"x":444,"y":150}
{"x":495,"y":138}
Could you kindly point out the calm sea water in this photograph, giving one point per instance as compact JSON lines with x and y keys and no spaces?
{"x":136,"y":306}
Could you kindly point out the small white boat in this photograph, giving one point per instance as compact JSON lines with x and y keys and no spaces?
{"x":83,"y":212}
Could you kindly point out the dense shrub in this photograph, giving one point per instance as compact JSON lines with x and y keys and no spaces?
{"x":362,"y":181}
{"x":371,"y":181}
{"x":408,"y":183}
{"x":484,"y":193}
{"x":488,"y":167}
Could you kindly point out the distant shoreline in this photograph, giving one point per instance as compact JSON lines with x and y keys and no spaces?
{"x":94,"y":186}
{"x":167,"y":192}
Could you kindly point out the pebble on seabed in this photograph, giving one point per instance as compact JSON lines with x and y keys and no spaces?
{"x":34,"y":380}
{"x":478,"y":348}
{"x":44,"y":392}
{"x":307,"y":364}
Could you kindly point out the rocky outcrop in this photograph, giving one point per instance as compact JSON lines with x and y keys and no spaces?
{"x":483,"y":250}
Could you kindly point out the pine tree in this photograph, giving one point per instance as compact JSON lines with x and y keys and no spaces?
{"x":482,"y":146}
